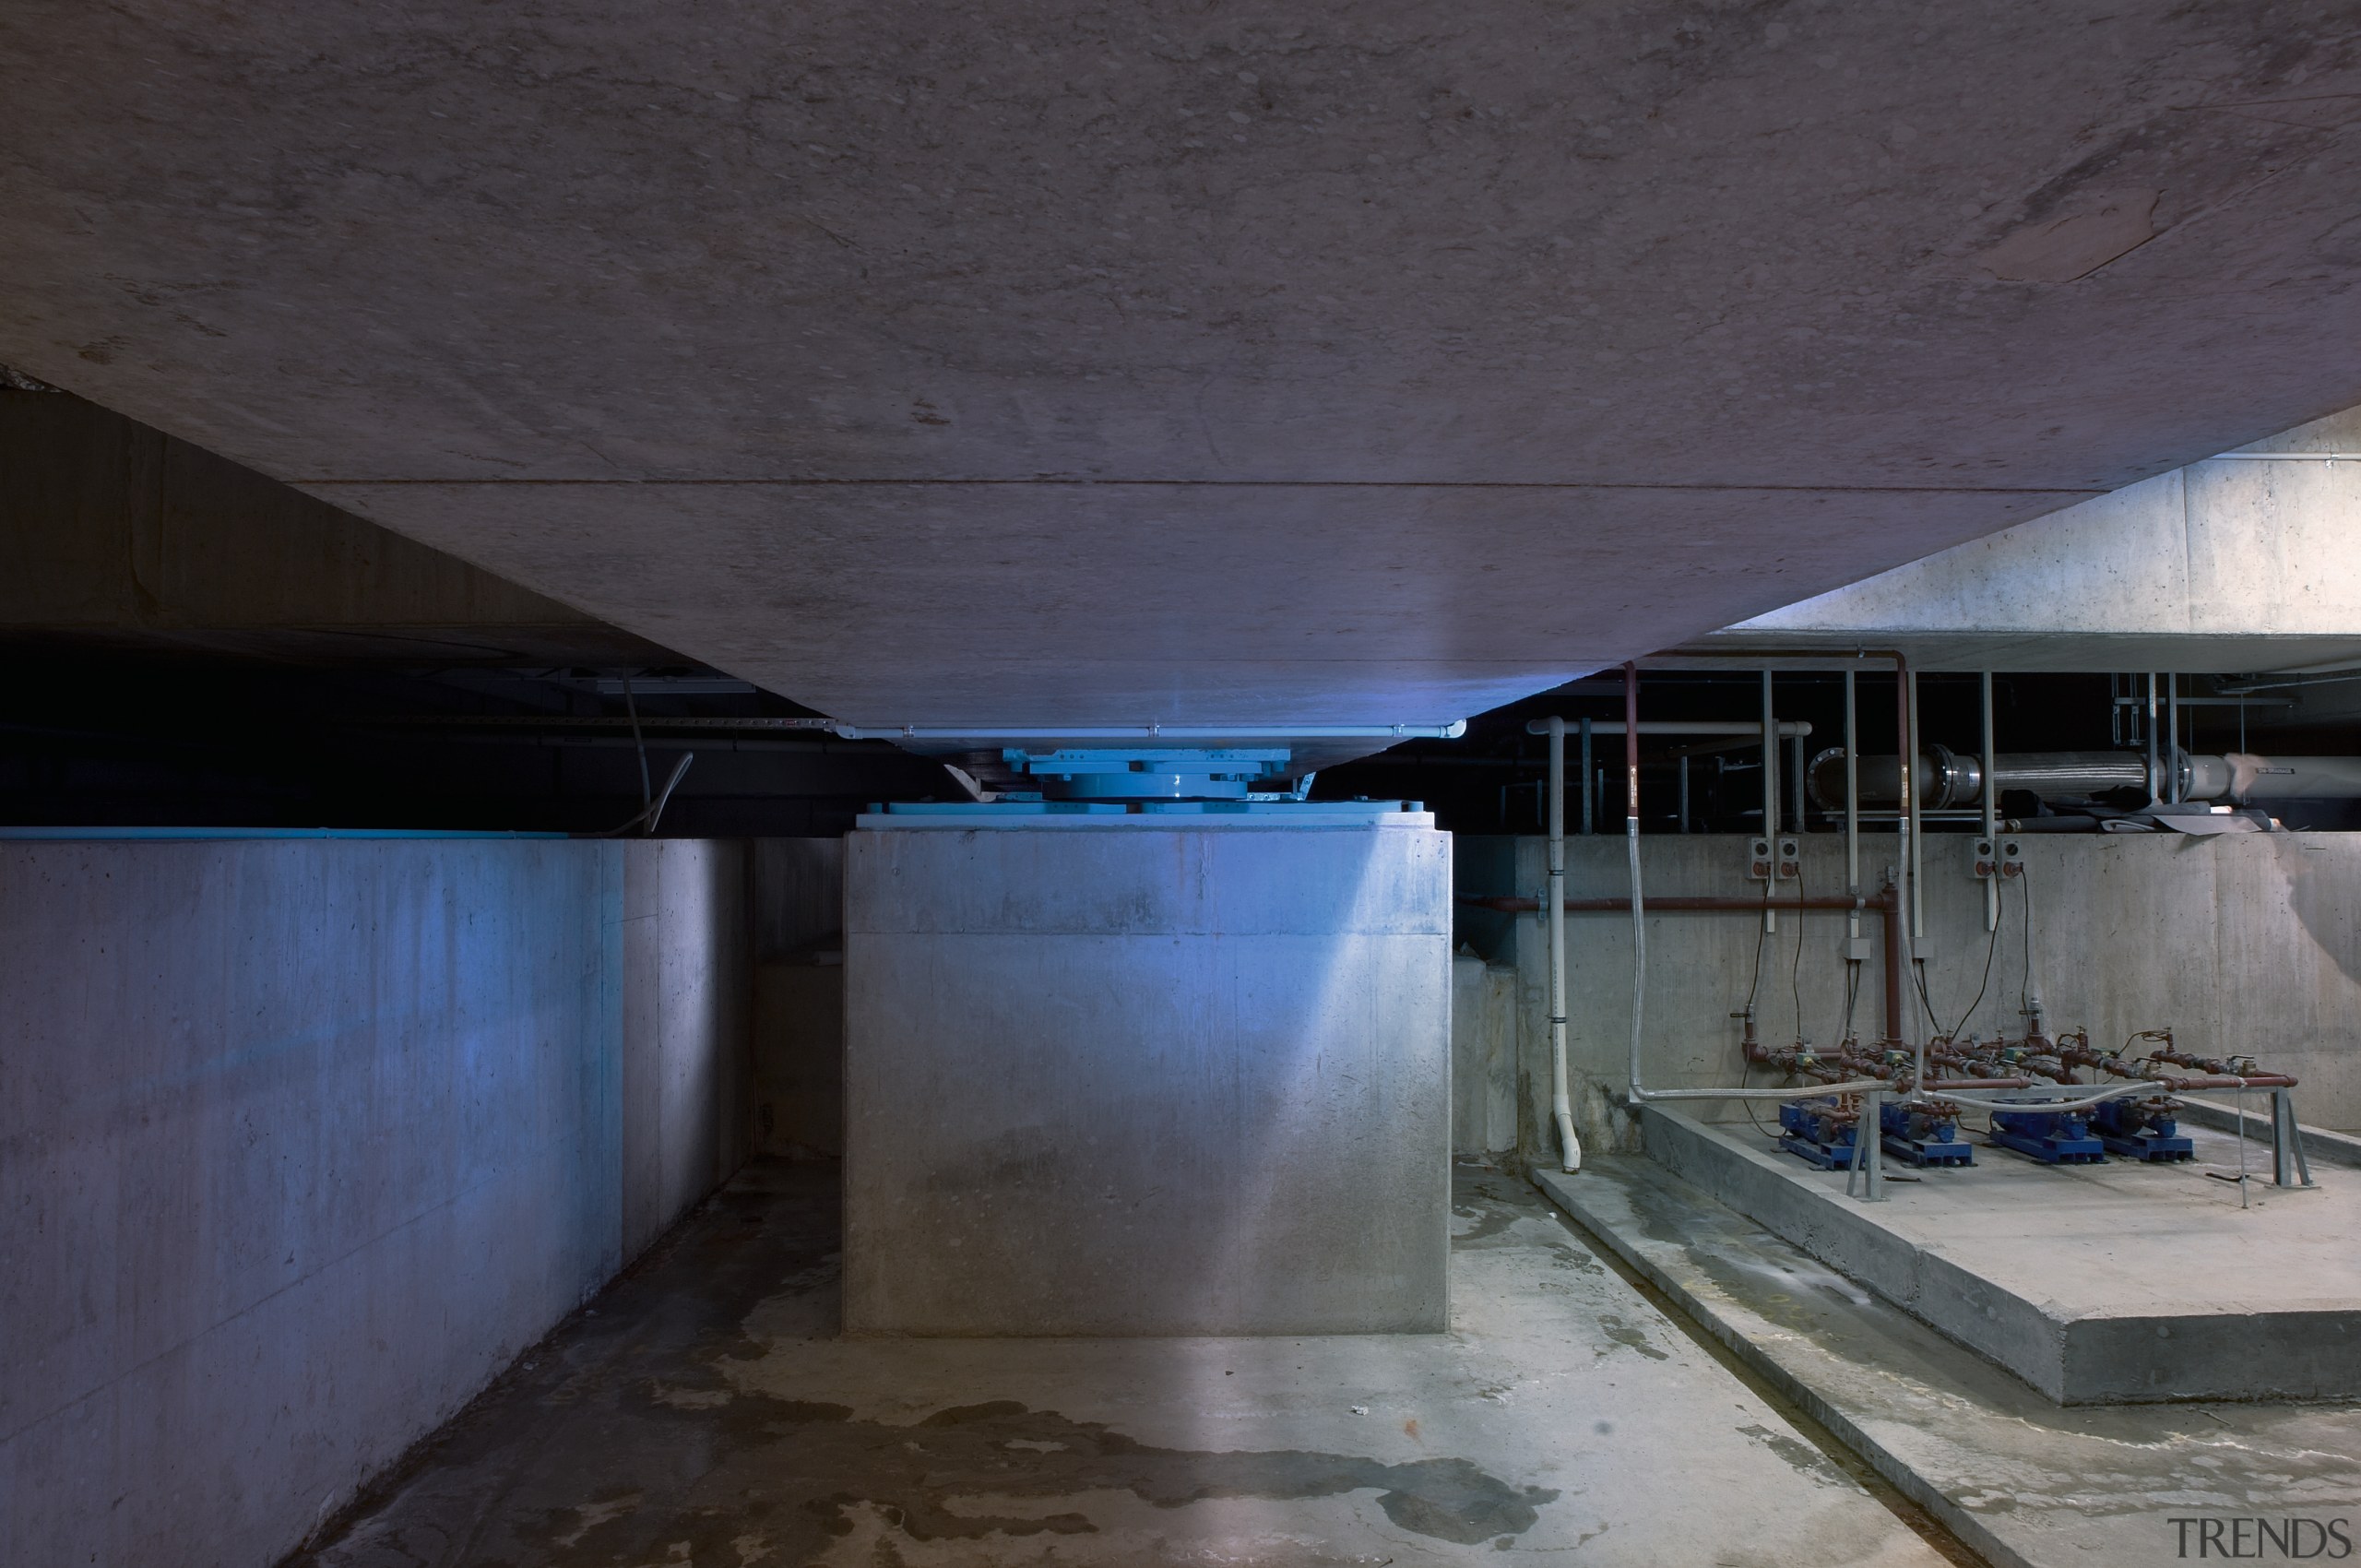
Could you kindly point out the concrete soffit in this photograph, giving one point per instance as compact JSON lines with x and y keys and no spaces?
{"x":2235,"y":564}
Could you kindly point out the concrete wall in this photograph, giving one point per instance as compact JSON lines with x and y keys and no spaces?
{"x":687,"y":1028}
{"x":2247,"y":942}
{"x":1483,"y":1057}
{"x":799,"y":893}
{"x":1147,"y":1081}
{"x":303,"y":1140}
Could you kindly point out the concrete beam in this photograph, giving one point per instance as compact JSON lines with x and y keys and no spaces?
{"x":117,"y":536}
{"x":2240,"y":563}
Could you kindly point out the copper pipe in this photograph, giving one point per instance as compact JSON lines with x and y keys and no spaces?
{"x":2214,"y":1075}
{"x":1828,"y":1065}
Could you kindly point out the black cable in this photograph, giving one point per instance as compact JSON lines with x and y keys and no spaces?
{"x":646,"y":795}
{"x":2025,"y":978}
{"x":1762,"y":931}
{"x":1744,"y":1074}
{"x":1990,"y":948}
{"x":1927,"y":1002}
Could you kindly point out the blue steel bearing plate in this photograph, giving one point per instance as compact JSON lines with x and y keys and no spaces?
{"x":1152,"y":773}
{"x":1826,"y":1157}
{"x":1925,"y":1152}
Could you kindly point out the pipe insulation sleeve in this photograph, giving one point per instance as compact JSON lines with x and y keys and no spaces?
{"x":1935,"y":1091}
{"x":1944,"y":780}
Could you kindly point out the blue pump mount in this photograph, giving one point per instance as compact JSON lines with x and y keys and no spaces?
{"x":1923,"y":1133}
{"x":1819,"y":1132}
{"x":2054,"y":1137}
{"x":1824,"y":1132}
{"x":2142,"y":1129}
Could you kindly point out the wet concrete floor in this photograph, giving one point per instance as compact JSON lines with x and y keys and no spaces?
{"x":2026,"y":1482}
{"x":705,"y":1410}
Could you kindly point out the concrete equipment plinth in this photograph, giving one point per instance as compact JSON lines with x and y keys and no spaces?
{"x":2109,"y":1284}
{"x":1148,"y":1080}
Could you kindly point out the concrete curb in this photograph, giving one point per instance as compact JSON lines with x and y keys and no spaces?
{"x":1574,"y":1196}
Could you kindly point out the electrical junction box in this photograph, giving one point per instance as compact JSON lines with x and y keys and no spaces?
{"x":1789,"y":865}
{"x":2005,"y":857}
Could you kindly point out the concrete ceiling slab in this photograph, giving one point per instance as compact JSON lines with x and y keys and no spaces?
{"x":1040,"y":363}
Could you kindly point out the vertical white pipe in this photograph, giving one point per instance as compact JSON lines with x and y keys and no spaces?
{"x":1562,"y":1101}
{"x":1852,"y":810}
{"x":1905,"y":680}
{"x":1991,"y":816}
{"x":1631,"y":863}
{"x":2172,"y":738}
{"x":1910,"y":776}
{"x":1770,"y":800}
{"x":2156,"y":779}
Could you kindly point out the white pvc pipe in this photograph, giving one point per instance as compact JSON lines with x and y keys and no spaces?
{"x":1562,"y":1102}
{"x":2116,"y":1092}
{"x":1918,"y":920}
{"x":1852,"y":807}
{"x":1770,"y":807}
{"x":1991,"y":814}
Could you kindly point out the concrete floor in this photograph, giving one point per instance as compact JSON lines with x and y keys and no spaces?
{"x":707,"y":1411}
{"x":2025,"y":1482}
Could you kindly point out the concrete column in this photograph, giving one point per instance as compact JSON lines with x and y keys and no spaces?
{"x":1133,"y":1080}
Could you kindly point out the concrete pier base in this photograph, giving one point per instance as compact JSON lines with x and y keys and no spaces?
{"x":1148,"y":1080}
{"x":2101,"y":1284}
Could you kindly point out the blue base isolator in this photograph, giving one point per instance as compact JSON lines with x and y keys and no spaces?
{"x":1809,"y":1129}
{"x":2051,"y":1136}
{"x":1912,"y":1135}
{"x":2140,"y":1132}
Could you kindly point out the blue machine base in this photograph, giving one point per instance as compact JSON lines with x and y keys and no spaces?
{"x":2150,"y":1146}
{"x":2051,"y":1149}
{"x":2141,"y":1133}
{"x":1826,"y":1157}
{"x":1923,"y":1152}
